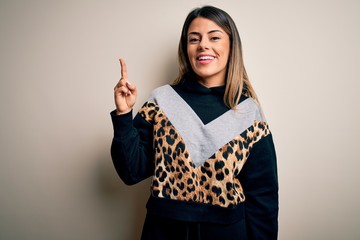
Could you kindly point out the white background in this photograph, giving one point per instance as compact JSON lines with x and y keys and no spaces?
{"x":58,"y":67}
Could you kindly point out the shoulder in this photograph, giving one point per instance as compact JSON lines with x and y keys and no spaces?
{"x":251,"y":107}
{"x":160,"y":92}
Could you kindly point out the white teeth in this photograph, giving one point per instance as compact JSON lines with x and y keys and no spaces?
{"x":206,"y":58}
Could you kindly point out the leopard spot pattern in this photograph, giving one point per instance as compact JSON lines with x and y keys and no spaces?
{"x":214,"y":182}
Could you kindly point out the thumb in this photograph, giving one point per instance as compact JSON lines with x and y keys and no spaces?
{"x":132,"y":87}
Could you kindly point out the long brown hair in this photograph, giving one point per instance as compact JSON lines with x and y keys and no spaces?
{"x":237,"y":80}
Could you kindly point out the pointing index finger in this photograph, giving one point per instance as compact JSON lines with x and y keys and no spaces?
{"x":123,"y":68}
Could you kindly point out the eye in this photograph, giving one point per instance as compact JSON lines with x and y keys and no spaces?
{"x":215,"y":38}
{"x":193,"y":40}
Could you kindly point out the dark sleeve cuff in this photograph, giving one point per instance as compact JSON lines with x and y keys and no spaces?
{"x":122,"y":124}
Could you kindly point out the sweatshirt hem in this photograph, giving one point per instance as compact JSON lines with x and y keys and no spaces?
{"x":194,"y":212}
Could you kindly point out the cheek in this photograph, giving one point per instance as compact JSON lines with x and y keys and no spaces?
{"x":190,"y":52}
{"x":225,"y":47}
{"x":226,"y":53}
{"x":191,"y":57}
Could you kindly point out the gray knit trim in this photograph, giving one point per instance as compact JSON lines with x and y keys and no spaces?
{"x":203,"y":140}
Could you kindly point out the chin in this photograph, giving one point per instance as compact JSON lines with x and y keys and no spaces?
{"x":204,"y":75}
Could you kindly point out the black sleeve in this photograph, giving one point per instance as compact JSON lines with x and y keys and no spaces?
{"x":260,"y":184}
{"x":132,"y":147}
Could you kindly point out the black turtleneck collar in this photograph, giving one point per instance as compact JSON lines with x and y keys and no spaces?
{"x":207,"y":103}
{"x":192,"y":85}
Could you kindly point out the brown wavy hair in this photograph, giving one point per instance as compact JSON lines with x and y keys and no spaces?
{"x":237,"y":80}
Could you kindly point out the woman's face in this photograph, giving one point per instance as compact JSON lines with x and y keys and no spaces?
{"x":208,"y":48}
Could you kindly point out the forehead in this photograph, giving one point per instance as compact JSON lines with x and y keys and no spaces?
{"x":203,"y":25}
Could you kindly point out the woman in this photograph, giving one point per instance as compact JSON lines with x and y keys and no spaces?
{"x":203,"y":140}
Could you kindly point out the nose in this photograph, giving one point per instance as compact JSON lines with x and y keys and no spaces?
{"x":203,"y":44}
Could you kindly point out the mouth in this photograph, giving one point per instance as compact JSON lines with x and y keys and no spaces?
{"x":205,"y":58}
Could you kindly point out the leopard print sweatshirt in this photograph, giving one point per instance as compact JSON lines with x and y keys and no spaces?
{"x":208,"y":163}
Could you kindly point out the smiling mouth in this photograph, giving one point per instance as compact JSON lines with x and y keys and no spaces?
{"x":205,"y":58}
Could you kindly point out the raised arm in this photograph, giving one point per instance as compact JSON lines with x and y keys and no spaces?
{"x":132,"y":145}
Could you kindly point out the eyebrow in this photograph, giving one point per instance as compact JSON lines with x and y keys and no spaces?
{"x":212,"y":31}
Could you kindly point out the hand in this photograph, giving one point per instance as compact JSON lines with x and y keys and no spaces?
{"x":124,"y":92}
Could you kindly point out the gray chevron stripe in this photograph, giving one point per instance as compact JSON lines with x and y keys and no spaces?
{"x":203,"y":140}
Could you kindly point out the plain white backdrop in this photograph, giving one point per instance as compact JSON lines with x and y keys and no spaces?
{"x":58,"y":67}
